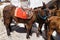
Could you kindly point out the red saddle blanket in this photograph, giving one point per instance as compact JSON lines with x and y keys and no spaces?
{"x":20,"y":13}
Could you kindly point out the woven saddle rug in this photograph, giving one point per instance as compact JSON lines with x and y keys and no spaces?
{"x":24,"y":14}
{"x":20,"y":13}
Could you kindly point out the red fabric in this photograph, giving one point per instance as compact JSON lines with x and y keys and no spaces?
{"x":21,"y":14}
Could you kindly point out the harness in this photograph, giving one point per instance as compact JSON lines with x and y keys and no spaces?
{"x":42,"y":17}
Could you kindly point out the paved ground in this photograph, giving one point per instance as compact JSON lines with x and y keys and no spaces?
{"x":17,"y":34}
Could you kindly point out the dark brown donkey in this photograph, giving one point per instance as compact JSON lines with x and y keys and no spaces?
{"x":8,"y":15}
{"x":41,"y":16}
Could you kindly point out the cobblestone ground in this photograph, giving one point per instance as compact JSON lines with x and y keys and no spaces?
{"x":17,"y":34}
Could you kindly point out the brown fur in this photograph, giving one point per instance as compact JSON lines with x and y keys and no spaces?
{"x":8,"y":15}
{"x":54,"y":24}
{"x":40,"y":20}
{"x":58,"y":13}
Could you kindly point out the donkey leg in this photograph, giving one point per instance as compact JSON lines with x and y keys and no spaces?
{"x":8,"y":31}
{"x":30,"y":32}
{"x":27,"y":36}
{"x":25,"y":27}
{"x":40,"y":26}
{"x":46,"y":29}
{"x":39,"y":30}
{"x":7,"y":24}
{"x":49,"y":34}
{"x":28,"y":26}
{"x":7,"y":28}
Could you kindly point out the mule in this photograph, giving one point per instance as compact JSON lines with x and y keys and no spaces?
{"x":54,"y":24}
{"x":41,"y":16}
{"x":42,"y":13}
{"x":9,"y":15}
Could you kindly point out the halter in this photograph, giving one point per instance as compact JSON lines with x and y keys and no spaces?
{"x":43,"y":17}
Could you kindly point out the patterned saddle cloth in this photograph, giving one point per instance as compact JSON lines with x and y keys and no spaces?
{"x":20,"y":13}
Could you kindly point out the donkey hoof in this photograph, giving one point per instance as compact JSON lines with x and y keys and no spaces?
{"x":30,"y":34}
{"x":8,"y":34}
{"x":11,"y":30}
{"x":28,"y":37}
{"x":37,"y":35}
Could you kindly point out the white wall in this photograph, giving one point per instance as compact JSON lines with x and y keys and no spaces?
{"x":16,"y":3}
{"x":33,"y":3}
{"x":37,"y":3}
{"x":46,"y":1}
{"x":2,"y":0}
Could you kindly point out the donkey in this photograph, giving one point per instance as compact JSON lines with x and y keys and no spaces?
{"x":8,"y":15}
{"x":53,"y":24}
{"x":39,"y":15}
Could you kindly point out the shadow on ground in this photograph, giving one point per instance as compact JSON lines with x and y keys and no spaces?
{"x":34,"y":29}
{"x":18,"y":29}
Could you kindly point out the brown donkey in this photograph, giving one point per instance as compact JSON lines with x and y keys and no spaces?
{"x":39,"y":15}
{"x":53,"y":24}
{"x":8,"y":15}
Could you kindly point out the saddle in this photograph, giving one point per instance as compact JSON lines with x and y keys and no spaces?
{"x":23,"y":13}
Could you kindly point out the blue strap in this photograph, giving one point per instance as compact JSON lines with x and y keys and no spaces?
{"x":43,"y":17}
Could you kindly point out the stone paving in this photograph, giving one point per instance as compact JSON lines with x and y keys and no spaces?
{"x":19,"y":33}
{"x":16,"y":35}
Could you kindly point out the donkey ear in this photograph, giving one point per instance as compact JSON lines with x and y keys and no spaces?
{"x":44,"y":4}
